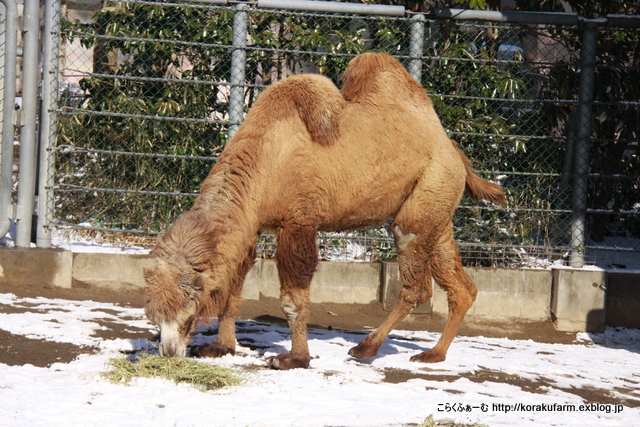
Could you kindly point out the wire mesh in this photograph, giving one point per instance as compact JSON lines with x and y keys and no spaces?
{"x":145,"y":110}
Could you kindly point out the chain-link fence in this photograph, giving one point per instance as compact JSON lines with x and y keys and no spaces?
{"x":150,"y":90}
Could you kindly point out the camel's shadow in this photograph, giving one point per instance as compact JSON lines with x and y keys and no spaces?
{"x":272,"y":335}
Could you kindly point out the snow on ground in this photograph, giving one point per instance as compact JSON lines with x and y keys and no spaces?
{"x":495,"y":382}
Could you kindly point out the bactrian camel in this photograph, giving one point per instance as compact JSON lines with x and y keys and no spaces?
{"x":310,"y":158}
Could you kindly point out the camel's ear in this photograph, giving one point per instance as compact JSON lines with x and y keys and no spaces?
{"x":147,"y":272}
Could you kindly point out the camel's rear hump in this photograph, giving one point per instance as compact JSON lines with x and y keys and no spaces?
{"x":378,"y":78}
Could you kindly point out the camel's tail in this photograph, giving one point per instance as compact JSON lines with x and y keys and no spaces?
{"x":477,"y":187}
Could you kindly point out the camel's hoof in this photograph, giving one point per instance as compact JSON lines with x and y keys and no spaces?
{"x":286,"y":361}
{"x":212,"y":350}
{"x":428,"y":357}
{"x":363,"y":351}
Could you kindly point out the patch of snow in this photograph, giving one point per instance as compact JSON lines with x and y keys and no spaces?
{"x":77,"y":243}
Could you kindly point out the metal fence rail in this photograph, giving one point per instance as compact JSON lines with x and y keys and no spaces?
{"x":152,"y":90}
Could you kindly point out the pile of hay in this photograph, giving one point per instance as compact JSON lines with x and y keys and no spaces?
{"x":178,"y":369}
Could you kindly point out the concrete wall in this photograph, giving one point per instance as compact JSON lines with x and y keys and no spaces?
{"x":575,"y":299}
{"x":335,"y":282}
{"x":49,"y":267}
{"x":511,"y":293}
{"x":578,"y":299}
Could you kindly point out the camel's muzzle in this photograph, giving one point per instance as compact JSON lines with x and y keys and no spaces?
{"x":172,"y":343}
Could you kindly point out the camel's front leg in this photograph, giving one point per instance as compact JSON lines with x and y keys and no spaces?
{"x":226,"y":341}
{"x":297,"y":259}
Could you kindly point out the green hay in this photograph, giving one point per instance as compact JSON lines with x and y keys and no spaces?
{"x":178,"y":369}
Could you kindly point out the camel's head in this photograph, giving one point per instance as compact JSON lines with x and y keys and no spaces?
{"x":173,"y":301}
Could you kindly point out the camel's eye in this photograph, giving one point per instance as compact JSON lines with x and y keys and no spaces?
{"x":199,"y":268}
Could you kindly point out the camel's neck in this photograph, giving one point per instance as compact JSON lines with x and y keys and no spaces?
{"x":228,"y":202}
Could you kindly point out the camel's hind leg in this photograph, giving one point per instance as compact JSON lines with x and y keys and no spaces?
{"x":421,"y":256}
{"x":424,"y":238}
{"x":415,"y":271}
{"x":296,"y":259}
{"x":461,"y":292}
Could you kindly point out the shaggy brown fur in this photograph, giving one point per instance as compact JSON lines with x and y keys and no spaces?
{"x":310,"y":158}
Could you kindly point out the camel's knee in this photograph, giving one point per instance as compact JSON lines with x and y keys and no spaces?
{"x":289,"y":308}
{"x":473,"y":291}
{"x":294,"y":304}
{"x":460,"y":301}
{"x":466,"y":285}
{"x":448,"y":272}
{"x":415,"y":295}
{"x":416,"y":281}
{"x":461,"y":297}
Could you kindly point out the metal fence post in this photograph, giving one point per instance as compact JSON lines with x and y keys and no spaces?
{"x":583,"y":134}
{"x":8,"y":104}
{"x":27,"y":172}
{"x":238,"y":66}
{"x":51,"y":47}
{"x":416,"y":47}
